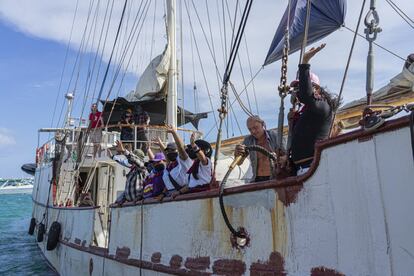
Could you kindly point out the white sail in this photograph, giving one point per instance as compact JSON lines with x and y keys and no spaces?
{"x":152,"y":81}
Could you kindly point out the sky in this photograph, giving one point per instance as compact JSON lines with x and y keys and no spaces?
{"x":46,"y":50}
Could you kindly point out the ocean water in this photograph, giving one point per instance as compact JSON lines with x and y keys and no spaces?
{"x":19,"y":254}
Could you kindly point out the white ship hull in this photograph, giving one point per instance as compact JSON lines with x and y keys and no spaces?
{"x":351,"y":214}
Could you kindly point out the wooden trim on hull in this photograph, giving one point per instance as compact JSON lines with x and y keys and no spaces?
{"x":287,"y":187}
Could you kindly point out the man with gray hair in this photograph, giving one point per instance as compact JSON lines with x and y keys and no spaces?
{"x":260,"y":136}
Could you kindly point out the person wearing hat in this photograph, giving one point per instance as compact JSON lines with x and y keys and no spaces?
{"x":177,"y":165}
{"x":313,"y":120}
{"x":135,"y":177}
{"x":201,"y":171}
{"x":154,"y":184}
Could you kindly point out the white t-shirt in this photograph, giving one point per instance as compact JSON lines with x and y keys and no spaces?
{"x":204,"y":175}
{"x":179,"y":173}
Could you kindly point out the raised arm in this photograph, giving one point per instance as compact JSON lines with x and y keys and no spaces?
{"x":158,"y":142}
{"x":132,"y":158}
{"x":306,"y":93}
{"x":179,"y":142}
{"x":200,"y":154}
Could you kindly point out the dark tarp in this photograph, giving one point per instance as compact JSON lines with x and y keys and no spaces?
{"x":156,"y":110}
{"x":326,"y":16}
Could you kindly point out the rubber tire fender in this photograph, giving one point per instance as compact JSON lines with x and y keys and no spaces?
{"x":32,"y":226}
{"x":53,"y":236}
{"x":40,"y":232}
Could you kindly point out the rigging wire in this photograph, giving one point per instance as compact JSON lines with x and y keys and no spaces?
{"x":64,"y":63}
{"x":103,"y":47}
{"x":112,"y":52}
{"x":401,"y":13}
{"x":180,"y":3}
{"x":376,"y":44}
{"x":223,"y":49}
{"x":251,"y":74}
{"x":76,"y":60}
{"x":95,"y":60}
{"x":195,"y":95}
{"x":153,"y":30}
{"x":347,"y":65}
{"x":200,"y":60}
{"x":120,"y":65}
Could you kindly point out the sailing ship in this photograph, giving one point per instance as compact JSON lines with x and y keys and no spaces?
{"x":349,"y":214}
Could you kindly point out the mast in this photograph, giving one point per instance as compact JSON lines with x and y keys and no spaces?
{"x":69,"y":97}
{"x":371,"y":32}
{"x":172,"y":71}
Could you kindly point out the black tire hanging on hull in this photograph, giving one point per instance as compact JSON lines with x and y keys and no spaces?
{"x":53,"y":236}
{"x":32,"y":226}
{"x":40,"y":232}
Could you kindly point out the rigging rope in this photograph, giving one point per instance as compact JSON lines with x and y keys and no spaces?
{"x":375,"y":43}
{"x":305,"y":36}
{"x":401,"y":13}
{"x":64,"y":63}
{"x":200,"y":60}
{"x":347,"y":66}
{"x":226,"y":77}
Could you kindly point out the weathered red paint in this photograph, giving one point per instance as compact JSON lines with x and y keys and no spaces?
{"x":275,"y":266}
{"x":176,"y":261}
{"x":156,"y":257}
{"x":323,"y":271}
{"x":122,"y":253}
{"x":229,"y":267}
{"x":200,"y":263}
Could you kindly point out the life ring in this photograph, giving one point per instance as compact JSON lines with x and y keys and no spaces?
{"x":53,"y":236}
{"x":32,"y":226}
{"x":40,"y":232}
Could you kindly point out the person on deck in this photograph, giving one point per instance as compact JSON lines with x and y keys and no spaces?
{"x":95,"y":125}
{"x":312,"y":122}
{"x":154,"y":184}
{"x":126,"y":125}
{"x":260,"y":136}
{"x":136,"y":175}
{"x":200,"y":174}
{"x":178,"y":163}
{"x":143,"y":120}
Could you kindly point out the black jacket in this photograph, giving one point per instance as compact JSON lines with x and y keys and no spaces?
{"x":314,"y":123}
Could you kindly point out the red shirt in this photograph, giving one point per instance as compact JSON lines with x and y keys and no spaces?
{"x":95,"y":119}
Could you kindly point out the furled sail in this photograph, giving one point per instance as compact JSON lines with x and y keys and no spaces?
{"x":152,"y":81}
{"x":326,"y":16}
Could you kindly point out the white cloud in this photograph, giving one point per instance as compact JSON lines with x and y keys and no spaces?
{"x":6,"y":137}
{"x":53,"y":20}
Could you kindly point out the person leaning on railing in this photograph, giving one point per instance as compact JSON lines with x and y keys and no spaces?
{"x":178,"y":163}
{"x":95,"y":124}
{"x":312,"y":122}
{"x":135,"y":177}
{"x":200,"y":173}
{"x":126,"y":125}
{"x":142,"y":119}
{"x":263,"y":137}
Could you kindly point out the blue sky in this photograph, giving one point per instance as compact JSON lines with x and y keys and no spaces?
{"x":34,"y":41}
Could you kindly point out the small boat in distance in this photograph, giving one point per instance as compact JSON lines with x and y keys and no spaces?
{"x":16,"y":185}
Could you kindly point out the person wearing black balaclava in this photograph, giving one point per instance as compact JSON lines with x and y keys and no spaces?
{"x":178,"y":163}
{"x":200,"y":173}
